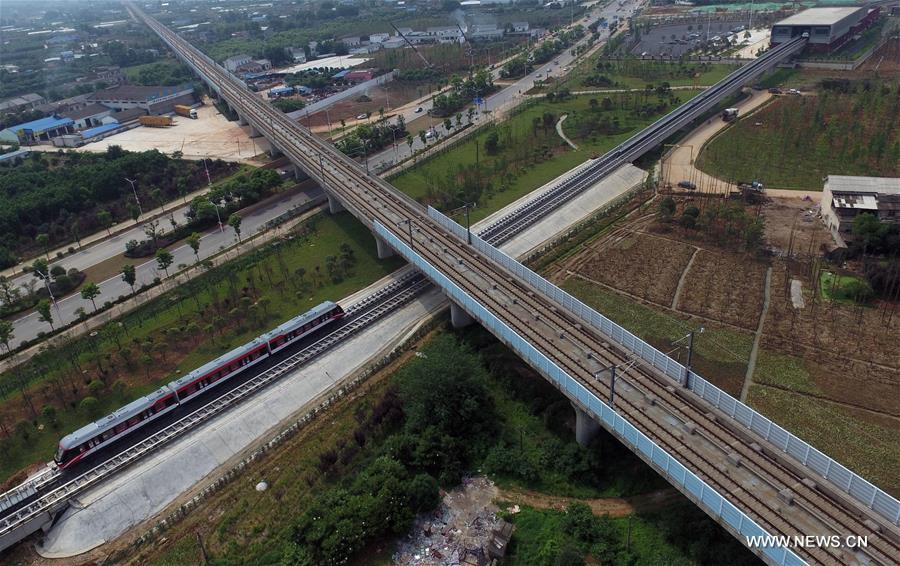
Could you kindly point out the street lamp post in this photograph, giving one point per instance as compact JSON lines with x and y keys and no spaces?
{"x":408,"y":223}
{"x":136,"y":199}
{"x":46,"y":278}
{"x":218,"y":217}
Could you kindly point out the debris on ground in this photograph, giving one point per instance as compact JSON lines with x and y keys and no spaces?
{"x":463,"y":530}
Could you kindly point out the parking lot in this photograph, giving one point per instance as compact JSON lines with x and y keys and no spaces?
{"x":210,"y":135}
{"x":672,"y":40}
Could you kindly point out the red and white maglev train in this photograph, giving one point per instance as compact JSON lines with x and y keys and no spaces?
{"x":93,"y":437}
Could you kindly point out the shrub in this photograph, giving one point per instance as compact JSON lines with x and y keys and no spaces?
{"x":90,"y":407}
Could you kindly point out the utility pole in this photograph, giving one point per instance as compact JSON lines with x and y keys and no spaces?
{"x":612,"y":384}
{"x":686,"y":383}
{"x":408,"y":223}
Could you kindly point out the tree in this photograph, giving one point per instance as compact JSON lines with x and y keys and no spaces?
{"x":90,"y":292}
{"x":194,"y":242}
{"x":235,"y":222}
{"x":105,"y":219}
{"x":43,"y":240}
{"x":8,"y":291}
{"x":129,"y":275}
{"x":423,"y":138}
{"x":409,"y":142}
{"x":470,"y":113}
{"x":458,"y":119}
{"x":492,"y":143}
{"x":90,"y":407}
{"x":43,"y":310}
{"x":448,"y":124}
{"x":667,"y":208}
{"x":6,"y":333}
{"x":164,"y":259}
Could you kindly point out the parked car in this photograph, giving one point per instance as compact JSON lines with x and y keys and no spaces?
{"x":794,"y":91}
{"x":775,"y":90}
{"x":687,"y":185}
{"x":419,"y":110}
{"x":361,"y":117}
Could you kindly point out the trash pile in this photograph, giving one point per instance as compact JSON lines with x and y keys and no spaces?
{"x":464,"y":530}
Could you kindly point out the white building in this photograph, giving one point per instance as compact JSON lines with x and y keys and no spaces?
{"x":379,"y":37}
{"x":844,"y":197}
{"x":232,"y":63}
{"x":445,"y":34}
{"x":352,"y":41}
{"x":296,"y":54}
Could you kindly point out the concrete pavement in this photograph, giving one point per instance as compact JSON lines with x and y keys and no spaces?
{"x":144,"y":490}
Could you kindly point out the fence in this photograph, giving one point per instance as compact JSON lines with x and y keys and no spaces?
{"x":705,"y":496}
{"x":838,"y":475}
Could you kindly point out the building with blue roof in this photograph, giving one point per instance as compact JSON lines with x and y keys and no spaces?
{"x":38,"y":130}
{"x":98,"y":132}
{"x":12,"y":156}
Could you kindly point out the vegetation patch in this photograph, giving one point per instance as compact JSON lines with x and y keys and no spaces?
{"x":844,"y":288}
{"x":846,"y":128}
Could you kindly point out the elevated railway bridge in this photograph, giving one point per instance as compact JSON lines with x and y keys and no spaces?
{"x":746,"y":472}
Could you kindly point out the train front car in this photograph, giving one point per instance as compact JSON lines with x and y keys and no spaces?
{"x":92,"y":437}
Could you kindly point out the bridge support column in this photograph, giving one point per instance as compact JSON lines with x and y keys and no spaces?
{"x":384,"y":250}
{"x":241,"y":121}
{"x":459,"y":318}
{"x":273,"y":151}
{"x":334,"y":205}
{"x":586,"y":428}
{"x":254,"y":133}
{"x":300,"y":174}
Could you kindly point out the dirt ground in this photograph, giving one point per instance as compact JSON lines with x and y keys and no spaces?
{"x":885,"y":61}
{"x":210,"y":135}
{"x":724,"y":286}
{"x":612,"y":506}
{"x":644,"y":265}
{"x":793,"y":228}
{"x":389,"y":96}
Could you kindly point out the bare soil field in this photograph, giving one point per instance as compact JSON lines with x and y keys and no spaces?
{"x":640,"y":264}
{"x":389,"y":96}
{"x":725,"y":287}
{"x":792,"y":227}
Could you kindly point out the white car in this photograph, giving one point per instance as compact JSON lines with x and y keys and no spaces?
{"x":419,"y":110}
{"x":429,"y":134}
{"x":361,"y":117}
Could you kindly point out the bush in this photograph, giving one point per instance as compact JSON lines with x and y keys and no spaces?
{"x":90,"y":407}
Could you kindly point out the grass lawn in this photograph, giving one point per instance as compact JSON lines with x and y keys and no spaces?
{"x":870,"y":450}
{"x":845,"y":289}
{"x":527,"y":158}
{"x":796,"y":141}
{"x":720,"y":354}
{"x":175,"y":345}
{"x":634,"y":73}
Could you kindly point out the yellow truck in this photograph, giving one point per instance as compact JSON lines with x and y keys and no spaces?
{"x":186,"y":111}
{"x":156,"y":121}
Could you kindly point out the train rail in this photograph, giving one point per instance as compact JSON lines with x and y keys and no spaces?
{"x":564,"y":340}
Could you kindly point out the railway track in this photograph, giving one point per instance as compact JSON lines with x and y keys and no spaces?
{"x":371,"y":200}
{"x":364,"y":313}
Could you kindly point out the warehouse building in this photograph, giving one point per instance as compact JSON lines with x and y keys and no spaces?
{"x":153,"y":99}
{"x":38,"y":130}
{"x":828,"y":28}
{"x":844,"y":197}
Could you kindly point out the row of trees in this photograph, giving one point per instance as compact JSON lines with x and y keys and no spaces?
{"x":726,"y":221}
{"x":367,"y":138}
{"x":68,"y":195}
{"x":462,"y":92}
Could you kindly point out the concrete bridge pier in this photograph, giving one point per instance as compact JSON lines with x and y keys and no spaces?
{"x":459,"y":318}
{"x":586,"y":428}
{"x":273,"y":151}
{"x":334,"y":205}
{"x":254,"y":133}
{"x":384,"y":250}
{"x":241,"y":121}
{"x":300,"y":174}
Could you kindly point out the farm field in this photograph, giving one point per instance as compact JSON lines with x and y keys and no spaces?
{"x":840,"y":130}
{"x":180,"y":330}
{"x":829,"y":360}
{"x":527,"y":152}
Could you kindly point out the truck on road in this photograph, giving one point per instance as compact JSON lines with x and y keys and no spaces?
{"x":729,"y":114}
{"x":156,"y":121}
{"x":186,"y":111}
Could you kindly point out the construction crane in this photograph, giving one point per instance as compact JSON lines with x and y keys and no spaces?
{"x":469,"y":51}
{"x":408,"y":42}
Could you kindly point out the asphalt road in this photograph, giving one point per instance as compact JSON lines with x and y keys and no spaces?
{"x":27,"y":327}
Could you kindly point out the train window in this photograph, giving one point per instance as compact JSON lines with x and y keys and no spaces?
{"x":134,"y":420}
{"x":121,"y":427}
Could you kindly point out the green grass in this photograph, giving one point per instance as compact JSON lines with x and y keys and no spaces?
{"x":783,"y":371}
{"x":845,"y":289}
{"x":326,"y":235}
{"x":869,"y":449}
{"x":720,"y":354}
{"x":427,"y":180}
{"x":634,"y":73}
{"x":796,"y":141}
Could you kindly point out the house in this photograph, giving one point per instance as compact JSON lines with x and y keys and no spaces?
{"x":393,"y":43}
{"x":89,"y":116}
{"x":38,"y":130}
{"x":520,"y":27}
{"x":359,"y":76}
{"x":110,"y":74}
{"x":313,"y":48}
{"x":446,"y":34}
{"x":13,"y":156}
{"x":232,"y":63}
{"x":21,"y":103}
{"x":352,"y":41}
{"x":64,"y":105}
{"x":485,"y":32}
{"x":297,"y":55}
{"x":379,"y":37}
{"x":365,"y":49}
{"x":844,"y":197}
